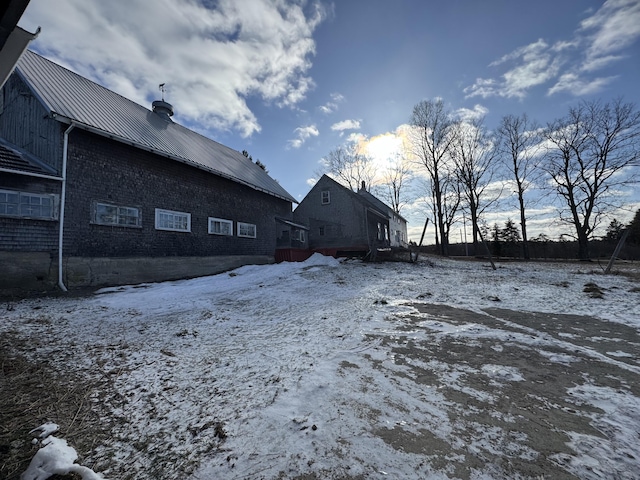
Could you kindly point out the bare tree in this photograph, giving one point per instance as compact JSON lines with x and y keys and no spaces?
{"x":395,"y":183}
{"x":348,"y":166}
{"x":519,"y":139}
{"x":592,"y":150}
{"x":474,"y":154}
{"x":433,"y":134}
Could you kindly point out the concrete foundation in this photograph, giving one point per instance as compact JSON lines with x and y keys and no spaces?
{"x":22,"y":272}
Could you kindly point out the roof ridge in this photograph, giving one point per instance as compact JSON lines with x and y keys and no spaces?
{"x":73,"y":98}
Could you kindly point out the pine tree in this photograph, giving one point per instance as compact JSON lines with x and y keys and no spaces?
{"x":634,"y":229}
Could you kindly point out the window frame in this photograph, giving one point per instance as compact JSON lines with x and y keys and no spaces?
{"x":96,"y":220}
{"x":250,"y":225}
{"x":52,"y":198}
{"x":221,"y":221}
{"x":325,"y":197}
{"x":174,"y":213}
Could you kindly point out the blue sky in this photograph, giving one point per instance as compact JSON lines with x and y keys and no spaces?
{"x":291,"y":80}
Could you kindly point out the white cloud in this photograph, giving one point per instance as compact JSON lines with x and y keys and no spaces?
{"x":598,"y":42}
{"x":535,"y":64}
{"x":346,"y":125}
{"x":332,"y":105}
{"x":302,"y":135}
{"x":615,"y":26}
{"x":573,"y":84}
{"x":468,"y":114}
{"x":210,"y":59}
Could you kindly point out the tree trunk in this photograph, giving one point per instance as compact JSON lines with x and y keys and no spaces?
{"x":523,"y":227}
{"x":583,"y":245}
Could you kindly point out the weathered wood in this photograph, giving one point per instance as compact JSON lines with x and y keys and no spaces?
{"x":493,"y":265}
{"x":623,"y":238}
{"x":424,"y":230}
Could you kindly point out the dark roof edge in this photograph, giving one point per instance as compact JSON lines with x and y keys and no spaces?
{"x":126,"y":141}
{"x":30,"y":174}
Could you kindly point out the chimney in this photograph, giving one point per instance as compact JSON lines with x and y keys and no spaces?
{"x":162,"y":108}
{"x":364,"y":186}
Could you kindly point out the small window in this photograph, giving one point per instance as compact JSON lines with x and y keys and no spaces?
{"x":326,"y":197}
{"x":173,"y":221}
{"x":116,"y":215}
{"x":321,"y":231}
{"x":28,"y":205}
{"x":246,"y":230}
{"x":298,"y":235}
{"x":219,"y":226}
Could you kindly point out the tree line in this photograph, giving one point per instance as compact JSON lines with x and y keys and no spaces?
{"x":583,"y":158}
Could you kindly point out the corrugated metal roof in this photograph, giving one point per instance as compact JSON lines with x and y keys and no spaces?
{"x":77,"y":99}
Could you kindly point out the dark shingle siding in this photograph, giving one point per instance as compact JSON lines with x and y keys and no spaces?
{"x":106,"y":171}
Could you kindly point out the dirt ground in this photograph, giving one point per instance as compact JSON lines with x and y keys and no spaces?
{"x":537,"y":407}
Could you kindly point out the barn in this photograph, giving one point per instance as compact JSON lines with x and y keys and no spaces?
{"x":96,"y":189}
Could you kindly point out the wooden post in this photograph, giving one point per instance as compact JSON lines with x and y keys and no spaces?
{"x":493,"y":265}
{"x":424,"y":230}
{"x":623,"y":238}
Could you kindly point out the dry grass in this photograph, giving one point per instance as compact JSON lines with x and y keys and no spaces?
{"x":32,"y":393}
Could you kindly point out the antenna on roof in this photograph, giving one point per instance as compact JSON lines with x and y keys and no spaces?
{"x":161,"y":87}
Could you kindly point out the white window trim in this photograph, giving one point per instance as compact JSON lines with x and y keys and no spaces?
{"x":325,"y":197}
{"x":160,"y":211}
{"x":242,"y":224}
{"x":51,"y":196}
{"x":96,"y":220}
{"x":212,"y":220}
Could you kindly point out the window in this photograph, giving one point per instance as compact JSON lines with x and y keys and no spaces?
{"x":219,"y":226}
{"x":321,"y":231}
{"x":173,"y":221}
{"x":246,"y":230}
{"x":108,"y":214}
{"x":325,"y":197}
{"x":298,"y":235}
{"x":28,"y":205}
{"x":380,"y":232}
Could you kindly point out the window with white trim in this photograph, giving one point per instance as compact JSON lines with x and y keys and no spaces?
{"x":173,"y":221}
{"x":298,"y":235}
{"x":247,"y":230}
{"x":220,"y":226}
{"x":28,"y":205}
{"x":325,"y":197}
{"x":116,"y":215}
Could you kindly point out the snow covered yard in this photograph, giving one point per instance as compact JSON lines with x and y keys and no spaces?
{"x":323,"y":369}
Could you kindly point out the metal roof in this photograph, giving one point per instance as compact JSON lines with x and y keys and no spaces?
{"x":377,"y":203}
{"x":71,"y":98}
{"x":16,"y":160}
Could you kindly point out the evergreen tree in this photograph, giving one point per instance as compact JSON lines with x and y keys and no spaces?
{"x":614,"y":231}
{"x":634,"y":229}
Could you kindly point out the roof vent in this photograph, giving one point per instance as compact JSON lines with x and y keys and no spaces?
{"x":162,"y":108}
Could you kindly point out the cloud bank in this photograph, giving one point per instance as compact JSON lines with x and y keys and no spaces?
{"x":212,"y":59}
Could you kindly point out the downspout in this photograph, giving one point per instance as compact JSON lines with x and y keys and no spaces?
{"x":65,"y":150}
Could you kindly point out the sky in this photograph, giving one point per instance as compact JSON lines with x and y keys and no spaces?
{"x":397,"y":376}
{"x":289,"y":81}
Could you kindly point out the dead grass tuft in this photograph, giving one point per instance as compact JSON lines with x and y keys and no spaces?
{"x":32,"y":393}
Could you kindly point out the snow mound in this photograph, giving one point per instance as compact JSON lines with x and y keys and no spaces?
{"x":55,"y":457}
